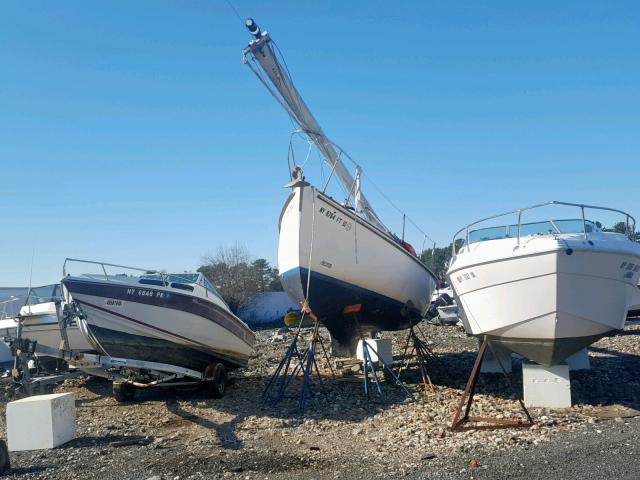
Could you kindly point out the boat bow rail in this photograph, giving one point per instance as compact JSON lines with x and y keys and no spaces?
{"x":587,"y":225}
{"x":148,"y":277}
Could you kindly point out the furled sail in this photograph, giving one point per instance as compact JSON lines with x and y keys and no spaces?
{"x":262,"y":53}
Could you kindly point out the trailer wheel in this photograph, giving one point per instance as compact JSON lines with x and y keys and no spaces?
{"x":123,"y":392}
{"x":215,"y":383}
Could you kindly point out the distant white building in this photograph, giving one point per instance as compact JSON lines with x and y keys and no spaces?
{"x":268,"y":307}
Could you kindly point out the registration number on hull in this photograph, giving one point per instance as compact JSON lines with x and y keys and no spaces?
{"x":142,"y":292}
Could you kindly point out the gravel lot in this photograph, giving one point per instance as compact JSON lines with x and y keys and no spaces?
{"x":182,"y":435}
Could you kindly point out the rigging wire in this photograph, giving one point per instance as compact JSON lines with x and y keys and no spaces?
{"x":315,"y":137}
{"x":235,"y":11}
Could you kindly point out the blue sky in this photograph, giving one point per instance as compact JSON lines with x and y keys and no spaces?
{"x":131,"y":132}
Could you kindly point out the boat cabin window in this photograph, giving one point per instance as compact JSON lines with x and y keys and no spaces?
{"x":152,"y":280}
{"x":182,"y":286}
{"x":183,"y":277}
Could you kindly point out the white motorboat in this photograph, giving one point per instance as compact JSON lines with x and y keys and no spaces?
{"x":177,"y":319}
{"x":39,"y":312}
{"x":334,"y":255}
{"x":545,"y":289}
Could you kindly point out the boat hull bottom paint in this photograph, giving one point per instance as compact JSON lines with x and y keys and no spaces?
{"x":328,"y":297}
{"x":147,"y":349}
{"x":547,"y":352}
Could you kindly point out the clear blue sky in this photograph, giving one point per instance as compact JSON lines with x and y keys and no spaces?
{"x":131,"y":132}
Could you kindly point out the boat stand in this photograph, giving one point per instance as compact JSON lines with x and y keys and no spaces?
{"x":417,"y":348}
{"x":305,"y":364}
{"x":460,"y":422}
{"x":369,"y":365}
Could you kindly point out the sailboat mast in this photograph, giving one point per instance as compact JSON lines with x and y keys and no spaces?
{"x":261,"y":51}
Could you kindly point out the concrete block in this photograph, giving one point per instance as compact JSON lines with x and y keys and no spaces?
{"x":41,"y":421}
{"x":490,"y":363}
{"x":379,"y":348}
{"x":579,"y":360}
{"x":546,"y":387}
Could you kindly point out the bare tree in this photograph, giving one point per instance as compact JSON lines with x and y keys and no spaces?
{"x":237,"y":276}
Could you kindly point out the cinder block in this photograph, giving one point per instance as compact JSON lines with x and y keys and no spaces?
{"x":546,"y":387}
{"x":490,"y":363}
{"x":579,"y":361}
{"x":379,"y":348}
{"x":41,"y":421}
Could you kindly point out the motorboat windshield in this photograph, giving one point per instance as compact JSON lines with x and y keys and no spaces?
{"x":565,"y":226}
{"x":548,"y":227}
{"x":44,"y":294}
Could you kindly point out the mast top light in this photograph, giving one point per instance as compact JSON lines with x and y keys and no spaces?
{"x":253,"y":28}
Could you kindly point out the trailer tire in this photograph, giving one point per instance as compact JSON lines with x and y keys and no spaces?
{"x":215,"y":384}
{"x":123,"y":392}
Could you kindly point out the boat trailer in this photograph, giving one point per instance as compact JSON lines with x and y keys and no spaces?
{"x":149,"y":374}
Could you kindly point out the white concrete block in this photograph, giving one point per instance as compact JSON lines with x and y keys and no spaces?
{"x":41,"y":421}
{"x":490,"y":363}
{"x":546,"y":387}
{"x":579,"y":360}
{"x":378,"y":348}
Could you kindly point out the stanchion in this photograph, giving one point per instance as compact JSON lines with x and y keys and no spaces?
{"x":460,"y":422}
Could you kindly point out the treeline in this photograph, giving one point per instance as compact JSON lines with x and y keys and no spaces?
{"x":238,"y":277}
{"x":621,"y":227}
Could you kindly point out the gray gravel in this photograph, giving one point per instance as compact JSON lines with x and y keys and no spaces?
{"x":182,"y":435}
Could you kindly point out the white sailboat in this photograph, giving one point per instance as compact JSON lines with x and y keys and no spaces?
{"x":330,"y":254}
{"x":545,"y":289}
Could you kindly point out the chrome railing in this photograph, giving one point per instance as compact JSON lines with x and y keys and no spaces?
{"x":162,"y":276}
{"x":630,"y":224}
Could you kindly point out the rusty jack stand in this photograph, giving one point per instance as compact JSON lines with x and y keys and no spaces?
{"x":423,"y":355}
{"x":460,"y":424}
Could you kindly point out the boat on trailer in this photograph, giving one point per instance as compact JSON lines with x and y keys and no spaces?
{"x":150,"y":316}
{"x":545,"y":289}
{"x":334,"y":255}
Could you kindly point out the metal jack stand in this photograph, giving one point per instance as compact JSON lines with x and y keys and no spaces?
{"x":423,"y":355}
{"x":369,"y":365}
{"x":460,"y":424}
{"x":306,"y":364}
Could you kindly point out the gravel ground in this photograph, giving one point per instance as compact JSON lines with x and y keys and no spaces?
{"x":182,"y":435}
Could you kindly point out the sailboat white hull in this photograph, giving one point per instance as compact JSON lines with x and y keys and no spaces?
{"x":548,"y":297}
{"x":345,"y":261}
